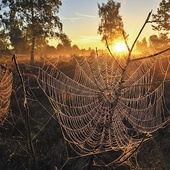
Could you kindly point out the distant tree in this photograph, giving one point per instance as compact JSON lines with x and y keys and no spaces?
{"x":142,"y":46}
{"x":49,"y":51}
{"x":111,"y":24}
{"x":11,"y":30}
{"x":35,"y":19}
{"x":164,"y":39}
{"x":153,"y":41}
{"x":17,"y":39}
{"x":60,"y":48}
{"x":75,"y":49}
{"x":158,"y":42}
{"x":66,"y":42}
{"x":162,"y":18}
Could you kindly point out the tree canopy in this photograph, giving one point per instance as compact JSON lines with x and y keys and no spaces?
{"x":162,"y":17}
{"x":31,"y":21}
{"x":111,"y":24}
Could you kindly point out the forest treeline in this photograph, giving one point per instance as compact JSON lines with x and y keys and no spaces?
{"x":27,"y":26}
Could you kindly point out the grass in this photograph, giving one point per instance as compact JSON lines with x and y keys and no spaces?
{"x":51,"y":150}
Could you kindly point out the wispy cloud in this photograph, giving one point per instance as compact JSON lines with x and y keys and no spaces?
{"x":72,"y":19}
{"x":85,"y":15}
{"x":78,"y":16}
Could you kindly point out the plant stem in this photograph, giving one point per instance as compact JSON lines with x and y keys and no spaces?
{"x":27,"y":112}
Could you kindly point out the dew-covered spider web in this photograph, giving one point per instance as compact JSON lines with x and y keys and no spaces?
{"x":5,"y":90}
{"x":108,"y":104}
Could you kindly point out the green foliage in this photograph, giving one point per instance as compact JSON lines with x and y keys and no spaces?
{"x":4,"y":44}
{"x":111,"y":24}
{"x":162,"y":18}
{"x":31,"y":22}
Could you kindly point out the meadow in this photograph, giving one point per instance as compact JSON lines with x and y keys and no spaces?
{"x":31,"y":137}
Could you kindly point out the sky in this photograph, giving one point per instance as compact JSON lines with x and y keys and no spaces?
{"x":80,"y":20}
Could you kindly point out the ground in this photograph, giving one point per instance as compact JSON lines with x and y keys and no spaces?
{"x":50,"y":150}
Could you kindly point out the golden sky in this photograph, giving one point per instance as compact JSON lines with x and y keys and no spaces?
{"x":80,"y":20}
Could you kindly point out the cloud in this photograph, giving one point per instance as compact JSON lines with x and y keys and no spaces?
{"x":85,"y":15}
{"x":78,"y":16}
{"x":71,"y":18}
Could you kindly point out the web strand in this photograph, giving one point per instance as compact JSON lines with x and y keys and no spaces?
{"x":98,"y":114}
{"x":5,"y":90}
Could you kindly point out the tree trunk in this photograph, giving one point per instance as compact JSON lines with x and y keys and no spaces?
{"x":32,"y":51}
{"x":33,"y":37}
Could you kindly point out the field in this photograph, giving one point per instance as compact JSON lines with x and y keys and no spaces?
{"x":31,"y":137}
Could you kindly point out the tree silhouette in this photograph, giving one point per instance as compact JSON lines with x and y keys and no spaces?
{"x":142,"y":46}
{"x":159,"y":42}
{"x":18,"y":40}
{"x":35,"y":19}
{"x":111,"y":24}
{"x":66,"y":42}
{"x":162,"y":18}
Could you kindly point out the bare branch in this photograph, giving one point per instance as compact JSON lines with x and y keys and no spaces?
{"x":125,"y":39}
{"x":146,"y":21}
{"x":156,"y":21}
{"x":150,"y":56}
{"x":107,"y":46}
{"x":27,"y":113}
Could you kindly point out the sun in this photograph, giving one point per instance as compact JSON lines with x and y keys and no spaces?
{"x":119,"y":47}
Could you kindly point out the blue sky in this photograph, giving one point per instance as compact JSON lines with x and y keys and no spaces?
{"x":80,"y":19}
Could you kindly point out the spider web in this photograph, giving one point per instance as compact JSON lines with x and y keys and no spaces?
{"x":108,"y":104}
{"x":5,"y":90}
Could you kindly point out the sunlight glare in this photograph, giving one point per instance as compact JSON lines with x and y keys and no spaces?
{"x":120,"y":47}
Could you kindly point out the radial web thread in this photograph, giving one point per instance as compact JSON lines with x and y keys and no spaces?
{"x":5,"y":90}
{"x":108,"y":104}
